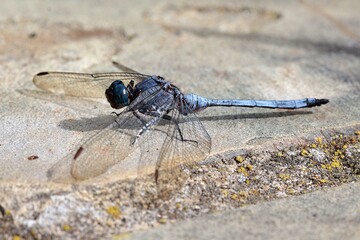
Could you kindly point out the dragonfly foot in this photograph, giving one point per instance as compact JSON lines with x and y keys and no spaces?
{"x":193,"y":141}
{"x":117,"y":114}
{"x":134,"y":140}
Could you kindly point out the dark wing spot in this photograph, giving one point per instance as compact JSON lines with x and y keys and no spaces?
{"x":42,"y":73}
{"x":2,"y":210}
{"x":32,"y":157}
{"x":78,"y":152}
{"x":156,"y":175}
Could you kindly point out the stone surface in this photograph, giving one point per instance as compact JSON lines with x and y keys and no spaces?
{"x":326,"y":214}
{"x":219,"y":49}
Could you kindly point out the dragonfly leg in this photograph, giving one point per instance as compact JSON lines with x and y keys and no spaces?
{"x":167,"y":117}
{"x":138,"y":117}
{"x":146,"y":127}
{"x":130,"y":89}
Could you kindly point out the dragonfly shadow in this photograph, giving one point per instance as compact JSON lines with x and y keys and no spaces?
{"x":102,"y":121}
{"x":307,"y":44}
{"x":277,"y":114}
{"x":87,"y":124}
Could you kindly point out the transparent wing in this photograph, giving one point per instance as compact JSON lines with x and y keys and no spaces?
{"x":79,"y":104}
{"x":107,"y":147}
{"x":123,"y":67}
{"x":83,"y":84}
{"x":187,"y":142}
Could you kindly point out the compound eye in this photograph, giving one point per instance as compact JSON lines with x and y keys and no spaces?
{"x":117,"y":95}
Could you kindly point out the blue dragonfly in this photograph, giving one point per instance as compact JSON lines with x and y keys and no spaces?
{"x":146,"y":100}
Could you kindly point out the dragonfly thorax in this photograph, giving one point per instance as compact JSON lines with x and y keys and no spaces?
{"x":117,"y":95}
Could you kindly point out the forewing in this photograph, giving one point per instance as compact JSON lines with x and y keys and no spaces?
{"x":186,"y":144}
{"x":83,"y":84}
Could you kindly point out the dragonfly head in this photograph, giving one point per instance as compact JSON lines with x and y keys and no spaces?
{"x":117,"y":95}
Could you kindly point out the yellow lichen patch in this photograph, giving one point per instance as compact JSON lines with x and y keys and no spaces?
{"x":290,"y":190}
{"x":357,"y":132}
{"x":326,"y":166}
{"x":178,"y":205}
{"x":337,"y":153}
{"x":33,"y":234}
{"x":114,"y":211}
{"x":162,"y":220}
{"x":234,"y":196}
{"x":319,"y":140}
{"x":225,"y":192}
{"x":121,"y":236}
{"x":323,"y":180}
{"x":243,"y":194}
{"x":254,"y":192}
{"x":247,"y":181}
{"x":249,"y":167}
{"x":240,"y":196}
{"x":7,"y":212}
{"x":304,"y":152}
{"x":66,"y":227}
{"x":239,"y":159}
{"x":313,"y":145}
{"x":280,"y":154}
{"x":284,"y":176}
{"x":243,"y":171}
{"x":16,"y":237}
{"x":335,"y":163}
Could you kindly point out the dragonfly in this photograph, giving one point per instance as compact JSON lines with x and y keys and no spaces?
{"x":146,"y":101}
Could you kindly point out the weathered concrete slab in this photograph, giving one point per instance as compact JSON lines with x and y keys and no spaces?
{"x":261,"y":57}
{"x":329,"y":214}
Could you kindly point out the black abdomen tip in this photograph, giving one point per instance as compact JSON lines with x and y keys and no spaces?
{"x":42,"y":73}
{"x":321,"y":101}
